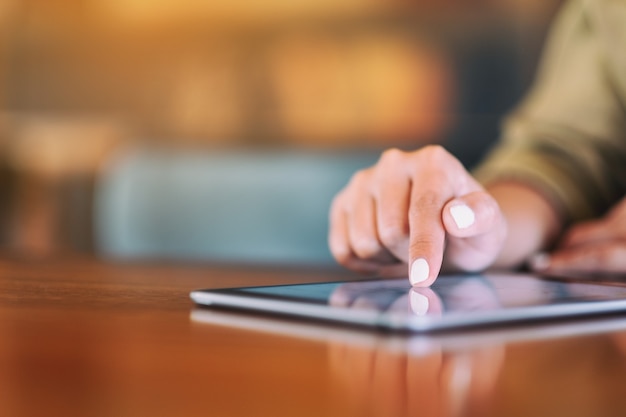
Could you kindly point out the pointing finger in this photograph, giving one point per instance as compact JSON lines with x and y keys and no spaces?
{"x":437,"y":179}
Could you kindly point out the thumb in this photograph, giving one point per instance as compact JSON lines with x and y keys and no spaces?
{"x":471,"y":215}
{"x":476,"y":229}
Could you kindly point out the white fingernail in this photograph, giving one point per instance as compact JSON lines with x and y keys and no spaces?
{"x":419,"y":271}
{"x":419,"y":303}
{"x":540,"y":261}
{"x":463,"y":216}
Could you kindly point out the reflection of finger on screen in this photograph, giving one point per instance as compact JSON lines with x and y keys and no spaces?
{"x":472,"y":294}
{"x":425,"y":301}
{"x":368,"y":295}
{"x":419,"y":303}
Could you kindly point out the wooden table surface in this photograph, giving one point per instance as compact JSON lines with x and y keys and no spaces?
{"x":89,"y":338}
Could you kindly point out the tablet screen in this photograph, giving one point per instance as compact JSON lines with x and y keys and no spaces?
{"x":452,"y":301}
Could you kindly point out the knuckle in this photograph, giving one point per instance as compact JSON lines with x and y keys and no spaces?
{"x":392,"y":235}
{"x":342,"y":258}
{"x":435,"y":158}
{"x":392,"y":155}
{"x":428,"y":200}
{"x":435,"y":153}
{"x":341,"y":254}
{"x":490,"y":210}
{"x":366,"y":248}
{"x":422,"y":241}
{"x":359,"y":178}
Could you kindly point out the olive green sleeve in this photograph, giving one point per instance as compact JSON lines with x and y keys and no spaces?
{"x":568,"y":138}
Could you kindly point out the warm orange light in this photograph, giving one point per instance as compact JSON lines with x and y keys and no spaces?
{"x":233,"y":11}
{"x":372,"y":89}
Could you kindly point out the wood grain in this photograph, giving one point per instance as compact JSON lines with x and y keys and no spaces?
{"x":82,"y":337}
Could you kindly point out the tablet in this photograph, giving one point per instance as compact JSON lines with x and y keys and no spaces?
{"x":455,"y":301}
{"x":419,"y":343}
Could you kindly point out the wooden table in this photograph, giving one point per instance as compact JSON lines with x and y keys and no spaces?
{"x":87,"y":338}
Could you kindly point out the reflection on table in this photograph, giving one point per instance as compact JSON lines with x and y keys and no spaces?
{"x":86,"y":338}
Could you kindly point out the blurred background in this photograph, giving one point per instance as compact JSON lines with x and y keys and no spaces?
{"x":202,"y":130}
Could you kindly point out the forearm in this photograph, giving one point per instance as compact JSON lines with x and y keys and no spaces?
{"x":533,"y":222}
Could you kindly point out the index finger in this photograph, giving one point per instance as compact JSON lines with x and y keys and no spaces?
{"x":437,"y":178}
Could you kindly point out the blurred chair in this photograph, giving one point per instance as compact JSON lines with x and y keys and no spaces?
{"x":48,"y":163}
{"x":223,"y":206}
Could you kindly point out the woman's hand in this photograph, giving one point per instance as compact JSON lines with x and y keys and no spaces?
{"x":409,"y":209}
{"x":597,"y":246}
